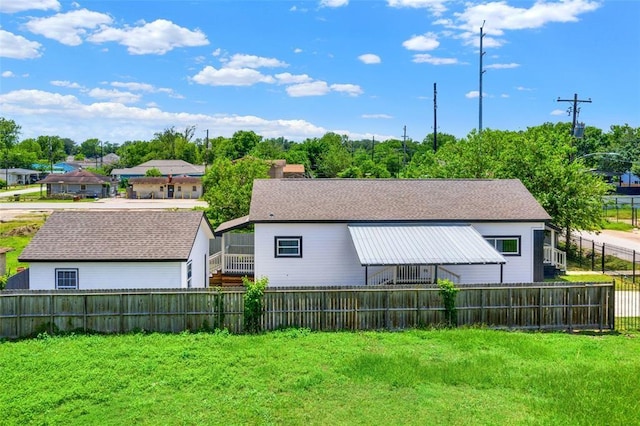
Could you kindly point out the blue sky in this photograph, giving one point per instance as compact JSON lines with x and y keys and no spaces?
{"x":124,"y":70}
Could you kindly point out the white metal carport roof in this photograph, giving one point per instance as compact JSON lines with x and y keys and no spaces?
{"x":379,"y":245}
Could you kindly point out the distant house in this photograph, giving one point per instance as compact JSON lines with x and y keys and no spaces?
{"x":79,"y":182}
{"x":119,"y":250}
{"x":165,"y":187}
{"x":71,"y":164}
{"x":280,"y":169}
{"x":19,"y":176}
{"x":166,"y":168}
{"x":377,"y":231}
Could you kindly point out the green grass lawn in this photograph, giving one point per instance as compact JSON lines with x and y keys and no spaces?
{"x":460,"y":376}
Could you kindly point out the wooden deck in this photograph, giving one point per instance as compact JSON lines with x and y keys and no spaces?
{"x":219,"y":279}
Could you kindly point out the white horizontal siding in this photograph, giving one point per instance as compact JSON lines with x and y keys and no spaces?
{"x":110,"y":275}
{"x":328,"y":255}
{"x":518,"y":269}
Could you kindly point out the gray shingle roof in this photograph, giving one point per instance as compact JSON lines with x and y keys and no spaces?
{"x":115,"y":236}
{"x":77,"y":176}
{"x":393,"y":200}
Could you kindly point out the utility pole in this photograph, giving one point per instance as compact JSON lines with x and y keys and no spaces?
{"x":435,"y":119}
{"x":404,"y":146}
{"x":481,"y":73}
{"x":206,"y":150}
{"x":373,"y":146}
{"x":575,"y":110}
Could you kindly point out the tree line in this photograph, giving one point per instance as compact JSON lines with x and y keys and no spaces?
{"x":556,"y":167}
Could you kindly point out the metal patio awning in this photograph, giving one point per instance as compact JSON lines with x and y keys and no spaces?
{"x":379,"y":245}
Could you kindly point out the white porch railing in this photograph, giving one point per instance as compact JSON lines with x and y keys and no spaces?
{"x":232,"y":263}
{"x":410,"y":274}
{"x":555,"y":257}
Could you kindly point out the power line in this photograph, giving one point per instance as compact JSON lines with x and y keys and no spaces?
{"x":575,"y":110}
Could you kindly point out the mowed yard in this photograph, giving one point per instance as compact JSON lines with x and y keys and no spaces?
{"x":457,"y":376}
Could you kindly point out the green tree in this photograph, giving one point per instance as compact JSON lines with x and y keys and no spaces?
{"x":228,"y":187}
{"x":542,"y":158}
{"x":153,"y":172}
{"x":90,"y":148}
{"x":9,"y":132}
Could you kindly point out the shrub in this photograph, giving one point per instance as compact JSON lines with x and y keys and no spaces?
{"x":448,"y":291}
{"x":253,"y":303}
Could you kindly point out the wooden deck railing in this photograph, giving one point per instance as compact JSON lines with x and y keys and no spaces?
{"x":555,"y":257}
{"x":410,"y":274}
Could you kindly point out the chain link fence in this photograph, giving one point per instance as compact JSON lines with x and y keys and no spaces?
{"x":622,"y":264}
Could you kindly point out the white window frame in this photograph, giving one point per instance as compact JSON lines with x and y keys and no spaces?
{"x":59,"y":278}
{"x":281,"y":250}
{"x":189,"y":273}
{"x":493,"y":240}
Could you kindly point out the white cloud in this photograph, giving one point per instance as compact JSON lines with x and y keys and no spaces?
{"x":524,"y":89}
{"x":252,"y":61}
{"x":288,"y":78}
{"x":9,"y":6}
{"x":369,"y":58}
{"x":558,"y":112}
{"x":157,"y":37}
{"x":297,"y":50}
{"x":321,"y":88}
{"x":18,"y":47}
{"x":502,"y":66}
{"x":427,"y":41}
{"x":474,"y":94}
{"x":428,"y":59}
{"x":136,"y":87}
{"x":316,"y":88}
{"x":377,"y":116}
{"x":436,"y":7}
{"x":500,"y":17}
{"x":114,"y":96}
{"x":504,"y":95}
{"x":217,"y":52}
{"x":68,"y":28}
{"x":8,"y":74}
{"x":65,"y":83}
{"x":333,"y":3}
{"x":230,"y":77}
{"x":37,"y":111}
{"x":350,"y":89}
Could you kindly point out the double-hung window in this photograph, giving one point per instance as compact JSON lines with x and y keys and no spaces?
{"x":509,"y":246}
{"x":288,"y":246}
{"x":66,"y":279}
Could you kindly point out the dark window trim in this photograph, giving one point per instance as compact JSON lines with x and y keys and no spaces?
{"x":275,"y":246}
{"x":506,"y":237}
{"x":68,"y":270}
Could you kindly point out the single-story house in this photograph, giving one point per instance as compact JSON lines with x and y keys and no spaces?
{"x":19,"y":176}
{"x":78,"y":182}
{"x":88,"y":250}
{"x":377,"y":231}
{"x":165,"y":187}
{"x":166,"y":168}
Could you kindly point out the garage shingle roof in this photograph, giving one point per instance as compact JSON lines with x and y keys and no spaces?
{"x":115,"y":236}
{"x":393,"y":200}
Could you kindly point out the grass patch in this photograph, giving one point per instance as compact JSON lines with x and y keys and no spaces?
{"x":459,"y":376}
{"x":617,"y":226}
{"x":17,"y":234}
{"x":585,"y":278}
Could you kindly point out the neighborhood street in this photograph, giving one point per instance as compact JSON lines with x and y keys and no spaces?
{"x":628,"y":240}
{"x":11,"y":209}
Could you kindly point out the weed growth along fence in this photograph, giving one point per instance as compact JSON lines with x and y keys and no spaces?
{"x":544,"y":306}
